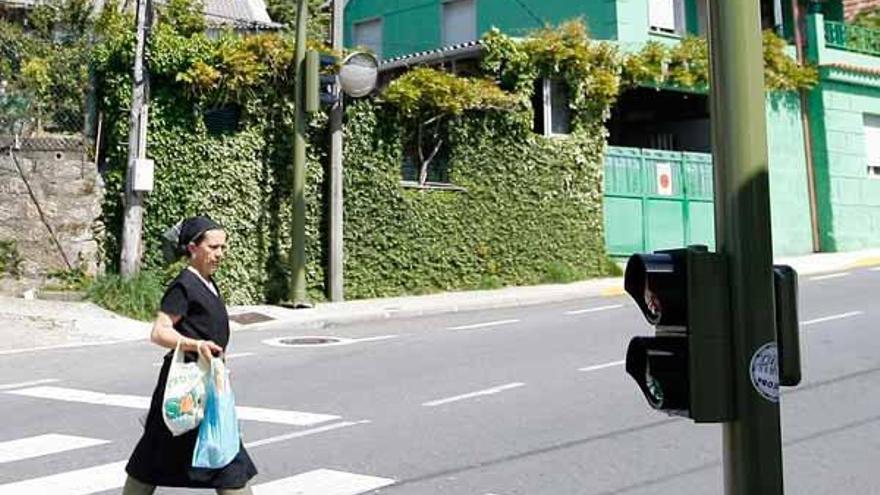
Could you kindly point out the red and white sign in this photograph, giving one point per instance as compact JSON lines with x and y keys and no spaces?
{"x":664,"y":179}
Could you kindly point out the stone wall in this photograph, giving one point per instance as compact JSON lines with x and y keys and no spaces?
{"x":50,"y":196}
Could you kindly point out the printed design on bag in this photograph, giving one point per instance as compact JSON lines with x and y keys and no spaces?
{"x":188,"y":405}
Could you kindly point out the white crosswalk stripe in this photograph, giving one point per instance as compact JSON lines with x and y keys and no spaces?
{"x":80,"y":482}
{"x":51,"y":443}
{"x":112,"y":476}
{"x":323,"y":482}
{"x":260,"y":414}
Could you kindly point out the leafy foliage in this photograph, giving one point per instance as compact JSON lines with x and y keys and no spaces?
{"x":136,"y":297}
{"x":531,"y":211}
{"x":686,"y":65}
{"x":868,"y":18}
{"x":590,"y":69}
{"x":426,"y":99}
{"x":46,"y":69}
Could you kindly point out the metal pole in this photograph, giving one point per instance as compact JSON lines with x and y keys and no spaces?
{"x":133,"y":220}
{"x":807,"y":130}
{"x":297,"y":289}
{"x":752,"y":443}
{"x":335,"y":270}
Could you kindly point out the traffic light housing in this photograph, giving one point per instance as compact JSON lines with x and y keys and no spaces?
{"x":321,"y":80}
{"x":686,"y":368}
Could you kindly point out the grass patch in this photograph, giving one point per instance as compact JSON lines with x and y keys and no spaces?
{"x":136,"y":297}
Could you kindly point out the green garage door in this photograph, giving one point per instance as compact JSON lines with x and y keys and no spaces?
{"x":657,"y":199}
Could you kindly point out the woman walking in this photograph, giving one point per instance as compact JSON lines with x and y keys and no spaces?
{"x":192,"y":313}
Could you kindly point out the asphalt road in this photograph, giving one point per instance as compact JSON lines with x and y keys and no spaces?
{"x":518,"y":401}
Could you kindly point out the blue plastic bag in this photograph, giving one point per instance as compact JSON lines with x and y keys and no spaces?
{"x":219,"y":440}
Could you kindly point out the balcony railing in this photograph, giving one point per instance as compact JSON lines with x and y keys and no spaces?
{"x":852,"y":38}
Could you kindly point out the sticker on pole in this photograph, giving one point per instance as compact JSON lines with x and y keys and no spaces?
{"x":764,"y":370}
{"x":664,"y":179}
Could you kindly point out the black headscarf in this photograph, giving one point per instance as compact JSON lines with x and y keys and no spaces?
{"x":178,"y":237}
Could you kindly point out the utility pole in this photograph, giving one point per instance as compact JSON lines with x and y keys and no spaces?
{"x":337,"y":212}
{"x":297,"y":286}
{"x":130,"y":256}
{"x":752,"y":443}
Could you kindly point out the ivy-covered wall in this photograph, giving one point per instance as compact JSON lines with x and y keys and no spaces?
{"x":529,"y":211}
{"x":526,"y":210}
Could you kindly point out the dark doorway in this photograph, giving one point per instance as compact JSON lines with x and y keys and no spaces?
{"x":661,"y":119}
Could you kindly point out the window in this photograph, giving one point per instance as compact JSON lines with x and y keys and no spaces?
{"x":369,"y":34}
{"x":459,"y":22}
{"x":872,"y":144}
{"x":552,"y":108}
{"x":667,"y":16}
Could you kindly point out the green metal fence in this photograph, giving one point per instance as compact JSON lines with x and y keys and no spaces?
{"x":852,"y":38}
{"x":657,"y":199}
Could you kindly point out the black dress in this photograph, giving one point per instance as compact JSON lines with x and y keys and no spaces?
{"x":159,"y":458}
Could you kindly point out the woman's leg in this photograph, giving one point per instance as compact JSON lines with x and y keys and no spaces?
{"x":246,"y":490}
{"x":135,"y":487}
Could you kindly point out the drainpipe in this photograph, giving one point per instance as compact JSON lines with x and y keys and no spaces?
{"x":808,"y":133}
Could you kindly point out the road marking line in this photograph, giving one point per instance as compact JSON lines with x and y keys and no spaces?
{"x":479,"y":393}
{"x":85,"y":396}
{"x":484,"y":325}
{"x":323,"y":482}
{"x":80,"y":482}
{"x":594,"y":310}
{"x":603,"y":366}
{"x":374,"y":339}
{"x":831,"y":275}
{"x":10,"y":386}
{"x":66,"y":346}
{"x":304,"y":433}
{"x":40,"y":445}
{"x":832,"y":317}
{"x":278,"y":416}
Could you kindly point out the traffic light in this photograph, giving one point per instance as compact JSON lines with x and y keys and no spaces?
{"x":686,"y":368}
{"x":321,"y":80}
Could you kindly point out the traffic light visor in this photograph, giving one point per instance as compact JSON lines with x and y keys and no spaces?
{"x":656,"y":282}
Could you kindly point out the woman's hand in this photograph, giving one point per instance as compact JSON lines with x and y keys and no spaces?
{"x":208,"y":349}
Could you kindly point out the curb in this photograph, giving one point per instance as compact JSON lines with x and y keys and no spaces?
{"x":322,"y":319}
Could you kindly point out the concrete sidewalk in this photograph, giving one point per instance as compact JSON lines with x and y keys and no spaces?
{"x":28,"y":325}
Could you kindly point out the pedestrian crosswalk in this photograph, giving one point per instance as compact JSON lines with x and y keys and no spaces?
{"x":19,"y":456}
{"x":278,"y":416}
{"x":111,"y":476}
{"x":40,"y":445}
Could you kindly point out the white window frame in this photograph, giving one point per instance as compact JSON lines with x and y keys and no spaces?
{"x":547,"y":87}
{"x":676,"y":26}
{"x":871,"y":125}
{"x":377,"y":50}
{"x":443,"y":34}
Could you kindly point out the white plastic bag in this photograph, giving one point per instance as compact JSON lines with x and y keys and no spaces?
{"x":183,"y":404}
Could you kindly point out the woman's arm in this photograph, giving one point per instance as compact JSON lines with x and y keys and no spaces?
{"x":165,"y":335}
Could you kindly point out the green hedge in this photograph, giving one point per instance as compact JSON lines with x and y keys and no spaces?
{"x":530,"y":211}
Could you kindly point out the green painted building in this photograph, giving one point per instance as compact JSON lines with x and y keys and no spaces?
{"x":845,"y":124}
{"x":665,"y":133}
